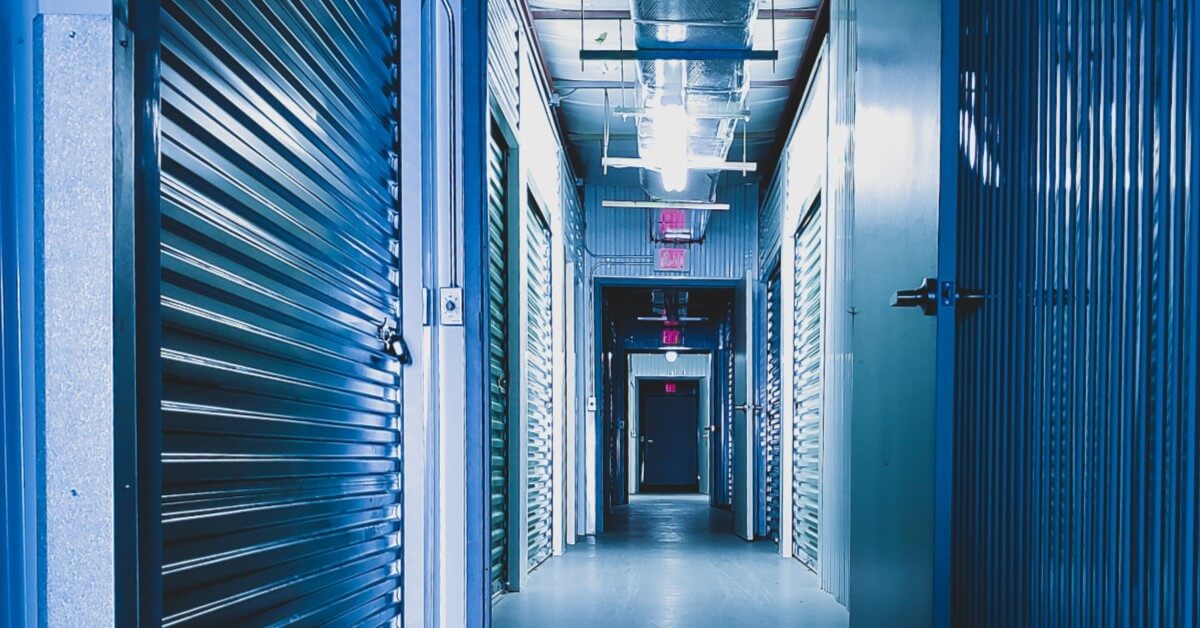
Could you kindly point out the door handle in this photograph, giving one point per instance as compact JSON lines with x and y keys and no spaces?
{"x":923,"y":296}
{"x":932,"y":293}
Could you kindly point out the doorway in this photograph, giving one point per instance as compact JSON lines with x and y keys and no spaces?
{"x":669,"y":412}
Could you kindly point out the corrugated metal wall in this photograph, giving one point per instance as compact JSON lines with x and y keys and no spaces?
{"x":503,"y":75}
{"x":619,"y":244}
{"x":770,"y":216}
{"x":1075,"y":496}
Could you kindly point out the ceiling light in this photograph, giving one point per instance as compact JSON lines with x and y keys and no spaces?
{"x":672,"y":356}
{"x":671,"y":128}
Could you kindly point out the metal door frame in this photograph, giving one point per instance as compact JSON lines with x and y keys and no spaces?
{"x":744,"y":398}
{"x":947,"y":264}
{"x":704,"y":376}
{"x":598,"y":285}
{"x":136,"y":245}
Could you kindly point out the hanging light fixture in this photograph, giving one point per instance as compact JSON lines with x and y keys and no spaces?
{"x":671,"y":127}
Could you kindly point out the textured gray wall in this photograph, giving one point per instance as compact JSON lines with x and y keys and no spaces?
{"x":73,"y":205}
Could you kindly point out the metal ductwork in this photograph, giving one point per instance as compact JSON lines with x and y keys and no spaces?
{"x":705,"y":97}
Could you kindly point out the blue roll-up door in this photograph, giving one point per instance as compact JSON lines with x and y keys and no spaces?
{"x":774,"y":405}
{"x":1076,"y":417}
{"x":539,"y":378}
{"x":806,"y":395}
{"x":281,"y":443}
{"x":498,"y":354}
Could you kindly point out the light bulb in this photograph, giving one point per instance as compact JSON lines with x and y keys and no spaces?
{"x":672,"y":356}
{"x":672,"y":128}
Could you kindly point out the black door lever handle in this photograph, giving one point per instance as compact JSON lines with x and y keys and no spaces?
{"x":924,"y":297}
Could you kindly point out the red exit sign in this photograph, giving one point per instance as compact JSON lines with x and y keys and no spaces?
{"x":672,"y":259}
{"x":672,"y":337}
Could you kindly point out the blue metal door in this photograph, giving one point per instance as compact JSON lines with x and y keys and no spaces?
{"x":1075,"y":495}
{"x":668,"y":426}
{"x":281,"y":442}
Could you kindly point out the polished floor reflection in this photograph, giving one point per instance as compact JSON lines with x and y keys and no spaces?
{"x":668,"y":561}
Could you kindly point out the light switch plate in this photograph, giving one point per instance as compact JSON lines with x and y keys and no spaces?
{"x":591,"y":404}
{"x":450,"y":306}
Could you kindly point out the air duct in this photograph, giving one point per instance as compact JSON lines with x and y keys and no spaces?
{"x":690,"y":108}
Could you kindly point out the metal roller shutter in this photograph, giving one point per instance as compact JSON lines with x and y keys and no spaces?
{"x":1076,"y":461}
{"x":538,"y":385}
{"x":774,"y":408}
{"x":806,"y":367}
{"x":281,"y":444}
{"x":498,"y":354}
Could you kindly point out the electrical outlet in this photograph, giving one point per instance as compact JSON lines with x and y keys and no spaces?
{"x":451,"y":306}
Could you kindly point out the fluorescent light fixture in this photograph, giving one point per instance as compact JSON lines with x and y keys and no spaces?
{"x":700,"y":163}
{"x":672,"y":356}
{"x":666,"y":205}
{"x":672,"y":128}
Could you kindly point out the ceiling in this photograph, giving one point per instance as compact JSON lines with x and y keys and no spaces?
{"x":606,"y":26}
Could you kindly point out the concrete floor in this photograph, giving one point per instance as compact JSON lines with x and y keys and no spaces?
{"x":669,"y":560}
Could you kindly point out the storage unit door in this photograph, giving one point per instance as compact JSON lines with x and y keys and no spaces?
{"x":281,"y":443}
{"x":806,"y":367}
{"x":1076,"y":443}
{"x":498,"y":354}
{"x":539,"y":376}
{"x":774,"y":409}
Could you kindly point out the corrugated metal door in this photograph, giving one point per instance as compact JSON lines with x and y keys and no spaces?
{"x":806,"y":366}
{"x":1075,"y":458}
{"x":539,"y":365}
{"x":774,"y":407}
{"x":498,"y":355}
{"x":281,"y":443}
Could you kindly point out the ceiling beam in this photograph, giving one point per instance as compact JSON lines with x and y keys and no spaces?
{"x":679,"y":54}
{"x":623,"y":14}
{"x":572,"y":84}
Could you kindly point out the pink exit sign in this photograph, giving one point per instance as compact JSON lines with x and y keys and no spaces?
{"x":671,"y":258}
{"x":669,"y":387}
{"x":671,"y":337}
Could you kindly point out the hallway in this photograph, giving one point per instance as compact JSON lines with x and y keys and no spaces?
{"x":676,"y":562}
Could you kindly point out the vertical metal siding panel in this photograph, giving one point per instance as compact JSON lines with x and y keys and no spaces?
{"x":1075,"y":471}
{"x":281,"y":447}
{"x":619,"y":244}
{"x":770,"y":218}
{"x":539,"y":367}
{"x":503,"y":59}
{"x":839,"y":201}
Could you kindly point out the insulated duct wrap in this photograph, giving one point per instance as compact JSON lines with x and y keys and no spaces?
{"x":708,"y":89}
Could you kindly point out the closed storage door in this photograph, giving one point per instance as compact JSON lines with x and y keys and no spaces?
{"x":498,"y":354}
{"x":281,"y":443}
{"x":806,"y":366}
{"x":538,"y":385}
{"x":774,"y":408}
{"x":1076,"y":434}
